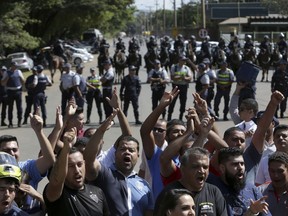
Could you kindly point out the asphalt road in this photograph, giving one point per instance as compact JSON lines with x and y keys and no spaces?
{"x":29,"y":146}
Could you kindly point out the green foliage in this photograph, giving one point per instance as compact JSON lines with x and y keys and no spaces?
{"x":30,"y":23}
{"x":277,"y":6}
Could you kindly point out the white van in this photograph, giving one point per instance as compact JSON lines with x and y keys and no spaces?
{"x":92,"y":34}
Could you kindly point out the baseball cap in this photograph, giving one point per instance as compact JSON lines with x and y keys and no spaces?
{"x":78,"y":66}
{"x":39,"y":68}
{"x":202,"y":66}
{"x":182,"y":58}
{"x":157,"y":61}
{"x":206,"y":61}
{"x":4,"y":68}
{"x":132,"y":67}
{"x":222,"y":62}
{"x":107,"y":61}
{"x":67,"y":65}
{"x":92,"y":69}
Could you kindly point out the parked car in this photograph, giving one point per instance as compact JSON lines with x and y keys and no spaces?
{"x":79,"y":50}
{"x":22,"y":59}
{"x":78,"y":58}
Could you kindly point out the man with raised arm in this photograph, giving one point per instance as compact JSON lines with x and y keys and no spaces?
{"x":66,"y":193}
{"x":126,"y":193}
{"x":150,"y":130}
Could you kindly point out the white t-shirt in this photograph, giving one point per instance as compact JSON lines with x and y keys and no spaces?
{"x":262,"y":175}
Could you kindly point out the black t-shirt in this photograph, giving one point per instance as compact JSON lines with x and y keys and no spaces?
{"x":209,"y":201}
{"x":89,"y":201}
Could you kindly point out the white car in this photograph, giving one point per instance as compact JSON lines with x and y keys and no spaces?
{"x":22,"y":59}
{"x":80,"y":51}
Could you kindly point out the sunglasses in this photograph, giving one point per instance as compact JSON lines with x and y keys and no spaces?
{"x":159,"y":130}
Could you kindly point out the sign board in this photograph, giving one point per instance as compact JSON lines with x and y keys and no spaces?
{"x":203,"y":33}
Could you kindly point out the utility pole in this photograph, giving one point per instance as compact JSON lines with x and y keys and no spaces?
{"x":164,"y":18}
{"x":203,"y":14}
{"x":175,"y":14}
{"x":156,"y":18}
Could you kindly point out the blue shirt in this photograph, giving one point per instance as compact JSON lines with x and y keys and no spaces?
{"x":252,"y":159}
{"x":125,"y":196}
{"x":154,"y":167}
{"x":237,"y":203}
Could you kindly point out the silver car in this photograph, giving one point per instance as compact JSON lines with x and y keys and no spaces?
{"x":22,"y":59}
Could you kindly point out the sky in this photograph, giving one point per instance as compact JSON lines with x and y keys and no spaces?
{"x":151,"y":4}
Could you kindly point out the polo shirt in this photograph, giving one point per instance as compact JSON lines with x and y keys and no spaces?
{"x":126,"y":196}
{"x":278,"y":205}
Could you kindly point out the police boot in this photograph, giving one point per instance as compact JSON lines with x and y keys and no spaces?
{"x":19,"y":123}
{"x":44,"y":123}
{"x":181,"y":116}
{"x":25,"y":121}
{"x":3,"y":123}
{"x":225,"y":117}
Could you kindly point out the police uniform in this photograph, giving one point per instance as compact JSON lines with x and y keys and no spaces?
{"x":40,"y":82}
{"x":133,"y":46}
{"x":182,"y":85}
{"x":132,"y":88}
{"x":3,"y":98}
{"x":120,"y":46}
{"x":29,"y":97}
{"x":279,"y":82}
{"x":205,"y":49}
{"x":94,"y":94}
{"x":282,"y":46}
{"x":234,"y":45}
{"x":224,"y":83}
{"x":66,"y":87}
{"x":158,"y":88}
{"x":179,"y":45}
{"x":107,"y":88}
{"x":14,"y":93}
{"x":151,"y":45}
{"x":80,"y":82}
{"x":265,"y":45}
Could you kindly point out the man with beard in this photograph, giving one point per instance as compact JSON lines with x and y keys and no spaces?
{"x":241,"y":198}
{"x":66,"y":193}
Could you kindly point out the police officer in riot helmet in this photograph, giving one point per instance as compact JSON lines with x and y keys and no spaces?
{"x":265,"y":44}
{"x":282,"y":46}
{"x":248,"y":42}
{"x":120,"y":45}
{"x":133,"y":45}
{"x":192,"y":43}
{"x":205,"y":48}
{"x":165,"y":43}
{"x":222,"y":44}
{"x":103,"y":46}
{"x":234,"y":44}
{"x":179,"y":43}
{"x":151,"y":44}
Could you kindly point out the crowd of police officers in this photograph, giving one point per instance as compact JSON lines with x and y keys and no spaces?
{"x":179,"y":51}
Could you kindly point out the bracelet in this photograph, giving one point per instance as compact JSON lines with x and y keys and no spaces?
{"x":251,"y":213}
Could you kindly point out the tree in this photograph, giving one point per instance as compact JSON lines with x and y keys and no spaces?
{"x":277,"y":6}
{"x":30,"y":23}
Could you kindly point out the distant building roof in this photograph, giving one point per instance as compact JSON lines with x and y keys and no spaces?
{"x":272,"y":19}
{"x":235,"y":20}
